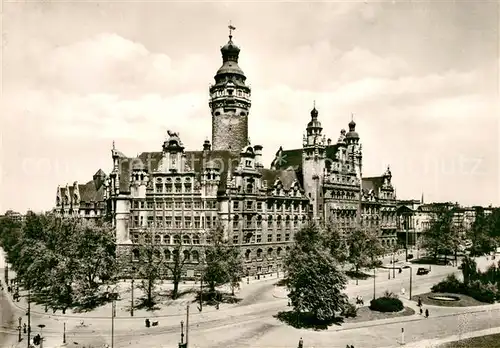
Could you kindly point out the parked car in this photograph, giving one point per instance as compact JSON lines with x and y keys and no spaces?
{"x":423,"y":271}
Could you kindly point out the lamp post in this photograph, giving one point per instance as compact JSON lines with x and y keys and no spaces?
{"x":374,"y":283}
{"x":29,"y":316}
{"x":19,"y":328}
{"x":393,"y":264}
{"x":64,"y":333}
{"x":41,"y":326}
{"x":411,"y":275}
{"x":132,"y":298}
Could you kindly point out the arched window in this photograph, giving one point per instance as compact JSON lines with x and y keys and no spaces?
{"x":270,"y":252}
{"x":157,"y":255}
{"x":278,"y":251}
{"x":136,"y":255}
{"x":247,"y":254}
{"x":166,"y":239}
{"x":177,"y":240}
{"x":168,"y":254}
{"x":186,"y":239}
{"x":259,"y":253}
{"x":157,"y":239}
{"x":196,"y":239}
{"x":196,"y":256}
{"x":187,"y":256}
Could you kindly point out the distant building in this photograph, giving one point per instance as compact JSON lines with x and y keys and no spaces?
{"x":16,"y":216}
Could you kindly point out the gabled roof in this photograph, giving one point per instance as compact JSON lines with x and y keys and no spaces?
{"x":293,"y":158}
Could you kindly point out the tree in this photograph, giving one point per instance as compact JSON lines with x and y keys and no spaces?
{"x":469,"y":270}
{"x":441,"y":236}
{"x":223,"y":262}
{"x":364,"y":247}
{"x":314,"y":278}
{"x":180,"y":256}
{"x":336,"y":243}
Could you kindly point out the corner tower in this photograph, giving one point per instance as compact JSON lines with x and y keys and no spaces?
{"x":230,"y":102}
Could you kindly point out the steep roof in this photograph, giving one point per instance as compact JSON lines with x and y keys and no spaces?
{"x":286,"y":176}
{"x":293,"y":158}
{"x":373,"y":183}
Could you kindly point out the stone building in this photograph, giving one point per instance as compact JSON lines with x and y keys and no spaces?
{"x":174,"y":196}
{"x":87,"y":201}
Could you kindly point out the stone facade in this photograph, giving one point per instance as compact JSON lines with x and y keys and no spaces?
{"x":173,"y":196}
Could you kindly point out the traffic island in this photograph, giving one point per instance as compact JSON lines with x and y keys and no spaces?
{"x":446,"y":299}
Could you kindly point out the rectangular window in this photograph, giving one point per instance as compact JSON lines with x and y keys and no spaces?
{"x":259,"y":206}
{"x":269,"y":238}
{"x":187,"y":221}
{"x":197,"y":205}
{"x":168,"y":205}
{"x":150,"y":221}
{"x":159,"y":221}
{"x":188,"y":205}
{"x":208,"y":222}
{"x":168,"y":221}
{"x":287,"y":237}
{"x":150,"y":205}
{"x":259,"y":238}
{"x":235,"y":224}
{"x":249,"y":205}
{"x":178,"y":188}
{"x":278,"y":237}
{"x":136,"y":221}
{"x":159,"y":187}
{"x":235,"y":239}
{"x":159,"y":205}
{"x":197,"y":223}
{"x":168,"y":188}
{"x":249,"y":223}
{"x":142,"y":221}
{"x":236,"y":205}
{"x":187,"y":188}
{"x":178,"y":205}
{"x":178,"y":222}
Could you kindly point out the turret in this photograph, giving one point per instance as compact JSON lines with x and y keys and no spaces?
{"x":229,"y":102}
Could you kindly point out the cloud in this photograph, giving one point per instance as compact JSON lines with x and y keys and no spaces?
{"x":82,"y":95}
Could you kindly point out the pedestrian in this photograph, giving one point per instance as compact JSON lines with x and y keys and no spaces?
{"x":301,"y":343}
{"x":421,"y":311}
{"x":420,"y":302}
{"x":427,"y":313}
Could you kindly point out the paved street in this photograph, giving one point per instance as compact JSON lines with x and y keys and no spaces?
{"x":251,"y":322}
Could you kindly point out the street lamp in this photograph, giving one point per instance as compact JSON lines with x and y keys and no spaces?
{"x":374,"y":283}
{"x":19,"y":328}
{"x":411,"y":275}
{"x":41,"y":326}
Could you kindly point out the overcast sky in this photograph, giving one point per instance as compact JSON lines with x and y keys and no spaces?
{"x":420,"y":77}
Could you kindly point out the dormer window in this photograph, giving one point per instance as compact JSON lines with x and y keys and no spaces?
{"x":230,"y":91}
{"x":248,"y":163}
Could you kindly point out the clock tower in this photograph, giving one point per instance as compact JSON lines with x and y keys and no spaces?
{"x":230,"y":102}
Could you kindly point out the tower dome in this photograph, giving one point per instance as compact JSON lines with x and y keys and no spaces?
{"x":352,"y":134}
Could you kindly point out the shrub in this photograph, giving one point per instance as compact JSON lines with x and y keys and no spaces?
{"x":349,"y":311}
{"x":449,"y":284}
{"x":484,"y":292}
{"x":386,"y":304}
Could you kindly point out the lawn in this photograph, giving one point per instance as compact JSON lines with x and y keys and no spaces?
{"x":490,"y":341}
{"x":366,"y":314}
{"x":304,"y":321}
{"x":465,"y":301}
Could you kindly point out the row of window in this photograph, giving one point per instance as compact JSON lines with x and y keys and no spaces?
{"x":208,"y":205}
{"x":270,"y":253}
{"x":173,"y":188}
{"x":166,"y":255}
{"x":257,"y":238}
{"x":249,"y":205}
{"x":167,"y":239}
{"x":175,"y":222}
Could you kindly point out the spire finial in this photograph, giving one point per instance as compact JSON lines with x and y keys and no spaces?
{"x":314,"y":104}
{"x":352,"y":116}
{"x":113,"y":144}
{"x":231,"y":28}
